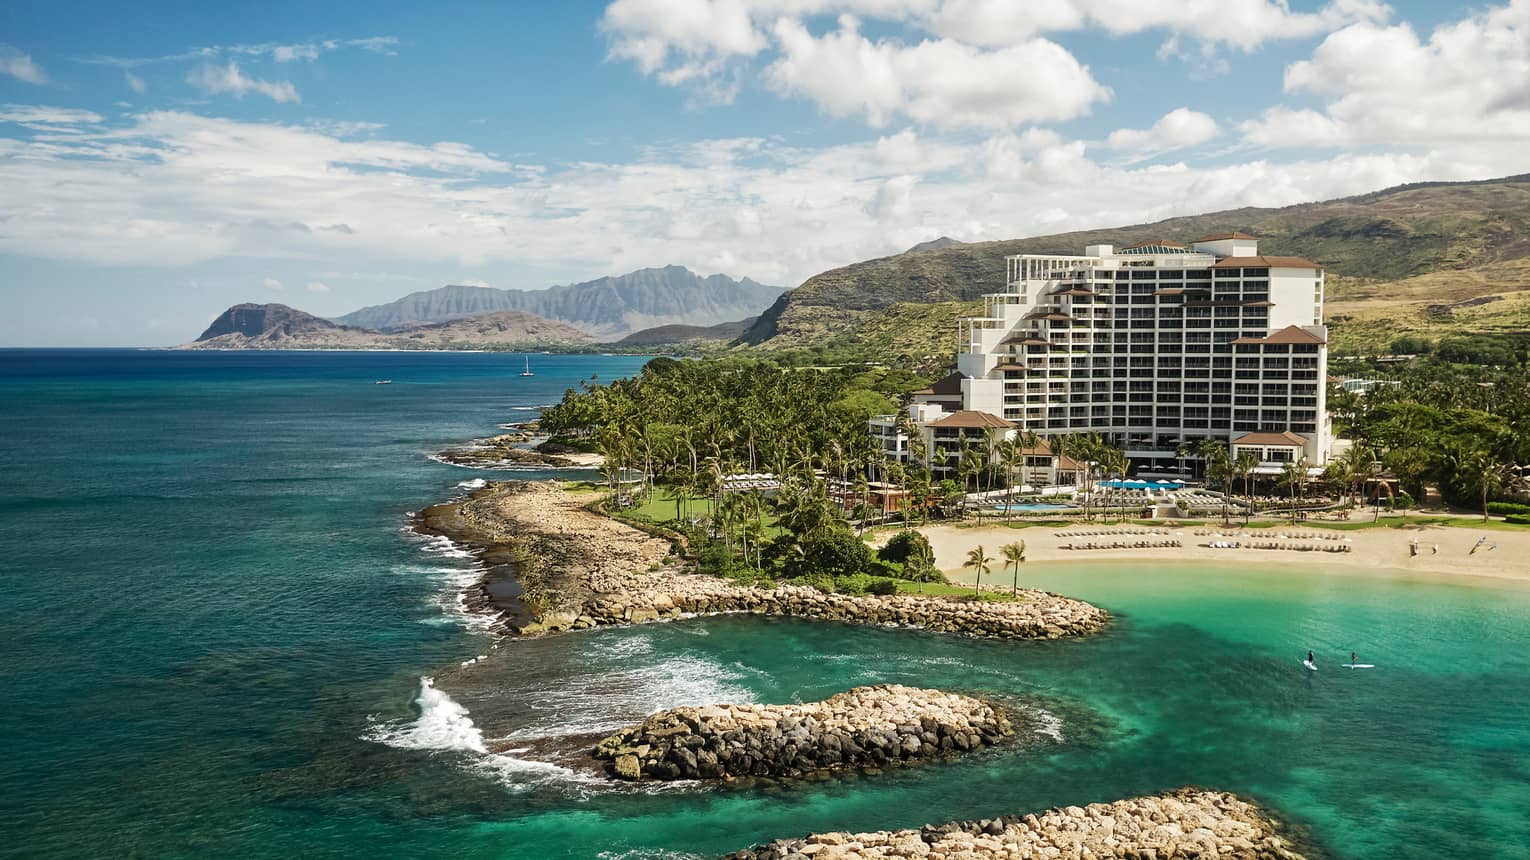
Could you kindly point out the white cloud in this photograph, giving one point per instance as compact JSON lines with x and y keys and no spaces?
{"x":134,"y":82}
{"x":1176,"y":129}
{"x":708,"y":45}
{"x":1469,"y":83}
{"x":46,"y":115}
{"x":939,"y":82}
{"x":21,"y":66}
{"x":271,"y":284}
{"x":1241,"y":24}
{"x":213,"y":80}
{"x":173,"y":189}
{"x":317,"y":287}
{"x":281,"y":53}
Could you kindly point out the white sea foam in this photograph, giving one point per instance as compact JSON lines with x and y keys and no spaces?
{"x":443,"y":724}
{"x":609,"y":699}
{"x":473,"y":484}
{"x":1044,"y":722}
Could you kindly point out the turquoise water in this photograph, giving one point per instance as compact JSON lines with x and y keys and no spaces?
{"x":216,"y":629}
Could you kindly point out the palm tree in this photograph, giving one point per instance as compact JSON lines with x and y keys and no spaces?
{"x":922,"y":560}
{"x":1218,"y":464}
{"x":1294,"y":475}
{"x":1014,"y":553}
{"x":1490,"y":474}
{"x":979,"y":562}
{"x":1244,"y":465}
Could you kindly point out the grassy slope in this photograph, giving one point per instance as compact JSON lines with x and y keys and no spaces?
{"x":1389,"y":255}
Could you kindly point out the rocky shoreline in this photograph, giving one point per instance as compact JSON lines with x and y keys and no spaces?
{"x":1188,"y":823}
{"x":555,"y":566}
{"x":864,"y":727}
{"x":505,"y":452}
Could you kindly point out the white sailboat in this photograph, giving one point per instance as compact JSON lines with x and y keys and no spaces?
{"x":527,"y":371}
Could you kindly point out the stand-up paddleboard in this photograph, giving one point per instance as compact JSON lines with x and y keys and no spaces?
{"x":1358,"y":665}
{"x":1310,"y":665}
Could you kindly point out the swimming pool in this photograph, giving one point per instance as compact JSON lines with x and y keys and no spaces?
{"x":1140,"y":485}
{"x":1033,"y":507}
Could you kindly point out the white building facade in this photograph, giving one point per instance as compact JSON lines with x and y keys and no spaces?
{"x":1154,"y":345}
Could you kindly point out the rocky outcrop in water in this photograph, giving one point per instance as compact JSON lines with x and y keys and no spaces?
{"x":864,"y":727}
{"x":505,"y":451}
{"x":580,"y":570}
{"x":1178,"y":825}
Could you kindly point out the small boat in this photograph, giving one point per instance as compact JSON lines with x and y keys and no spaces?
{"x":383,"y":382}
{"x":527,"y":371}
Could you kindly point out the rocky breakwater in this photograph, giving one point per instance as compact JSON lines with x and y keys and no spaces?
{"x":578,"y":569}
{"x":1178,"y":825}
{"x":864,"y":727}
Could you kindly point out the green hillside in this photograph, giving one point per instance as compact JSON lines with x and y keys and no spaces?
{"x":1395,"y":258}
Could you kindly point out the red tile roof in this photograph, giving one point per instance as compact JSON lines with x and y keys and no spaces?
{"x":1284,"y":438}
{"x":949,"y":384}
{"x":971,"y":418}
{"x":1265,"y":262}
{"x":1217,"y":237}
{"x":1289,"y":334}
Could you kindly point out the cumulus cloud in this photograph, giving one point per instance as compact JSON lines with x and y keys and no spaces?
{"x":1384,"y":85}
{"x":937,"y":82}
{"x":21,"y":66}
{"x":213,"y":80}
{"x":973,"y":47}
{"x":1176,"y":129}
{"x":317,"y":287}
{"x":271,"y":284}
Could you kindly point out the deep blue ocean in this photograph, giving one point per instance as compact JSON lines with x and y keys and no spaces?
{"x":217,"y":634}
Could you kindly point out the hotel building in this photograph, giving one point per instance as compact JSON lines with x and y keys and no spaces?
{"x":1151,"y":345}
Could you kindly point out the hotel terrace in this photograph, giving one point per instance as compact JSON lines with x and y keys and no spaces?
{"x":1151,"y":346}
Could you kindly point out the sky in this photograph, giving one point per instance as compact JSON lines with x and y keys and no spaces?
{"x":162,"y":161}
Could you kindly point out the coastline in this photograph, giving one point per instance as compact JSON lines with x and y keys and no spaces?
{"x":553,"y":566}
{"x":1378,"y":552}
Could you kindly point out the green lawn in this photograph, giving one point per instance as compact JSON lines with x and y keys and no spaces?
{"x":941,"y":589}
{"x":660,"y":509}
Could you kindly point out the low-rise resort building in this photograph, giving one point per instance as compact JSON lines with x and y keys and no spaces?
{"x":1155,"y":346}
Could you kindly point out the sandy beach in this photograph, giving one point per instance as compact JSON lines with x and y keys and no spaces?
{"x":1504,"y":556}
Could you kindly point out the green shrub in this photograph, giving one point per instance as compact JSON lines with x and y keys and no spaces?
{"x":902,"y":545}
{"x":821,"y":581}
{"x":838,"y":553}
{"x":1518,"y":519}
{"x":1502,"y":508}
{"x":855,"y":583}
{"x":1405,"y":501}
{"x":883,"y":586}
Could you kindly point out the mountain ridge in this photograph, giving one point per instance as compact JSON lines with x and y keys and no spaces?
{"x":608,"y":307}
{"x":278,"y":326}
{"x":1386,"y":253}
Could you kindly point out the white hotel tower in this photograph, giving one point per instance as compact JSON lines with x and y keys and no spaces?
{"x":1152,"y":345}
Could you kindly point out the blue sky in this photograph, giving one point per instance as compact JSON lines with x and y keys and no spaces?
{"x":161,"y":163}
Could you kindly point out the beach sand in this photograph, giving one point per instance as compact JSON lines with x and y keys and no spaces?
{"x":1380,"y":550}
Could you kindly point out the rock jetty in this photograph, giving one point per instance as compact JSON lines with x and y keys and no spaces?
{"x":578,"y":569}
{"x":1178,"y":825}
{"x":864,"y":727}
